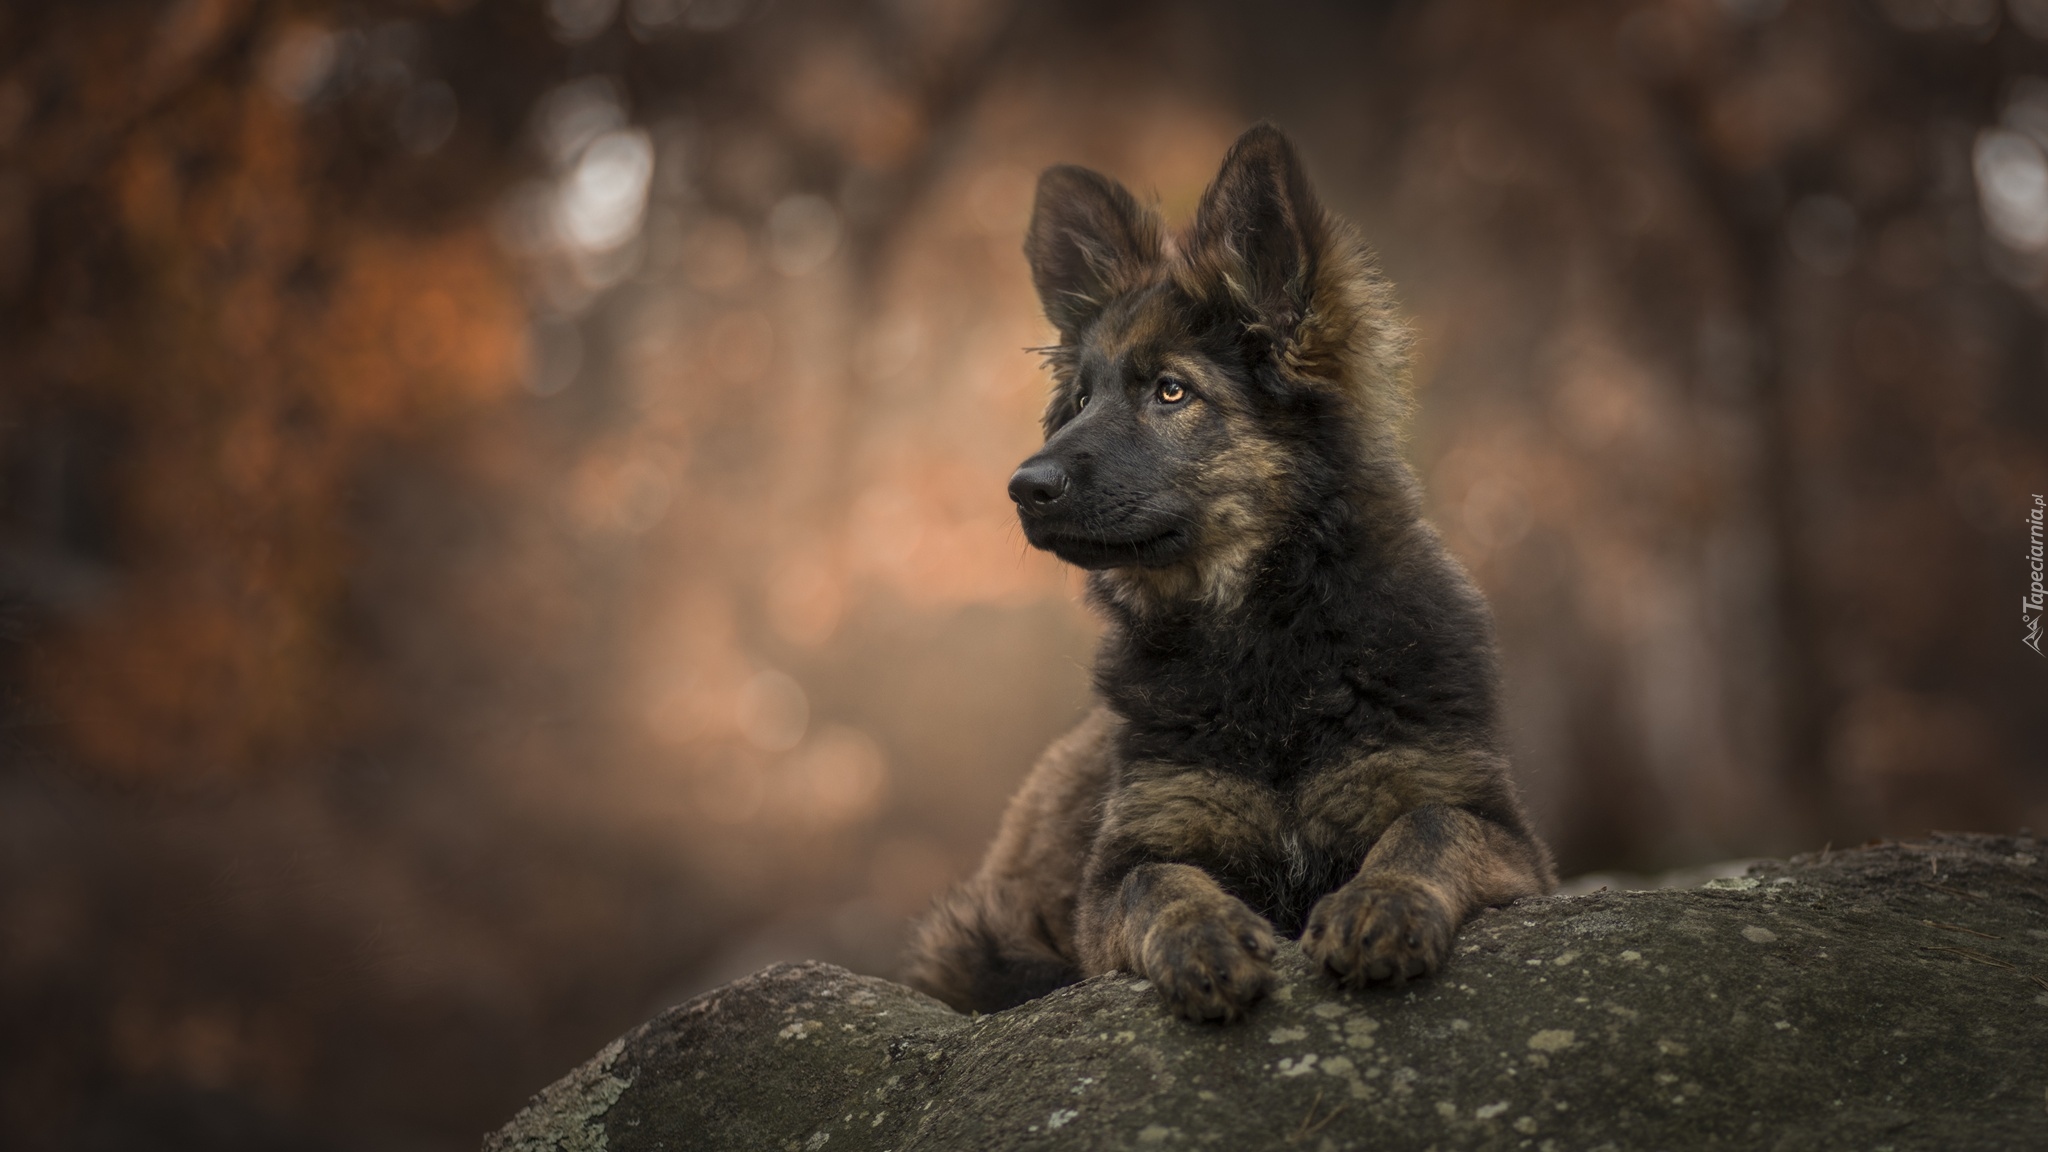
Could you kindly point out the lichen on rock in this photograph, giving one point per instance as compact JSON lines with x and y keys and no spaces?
{"x":1889,"y":997}
{"x":568,"y":1115}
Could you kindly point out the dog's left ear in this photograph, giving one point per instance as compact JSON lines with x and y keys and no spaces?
{"x":1259,"y":235}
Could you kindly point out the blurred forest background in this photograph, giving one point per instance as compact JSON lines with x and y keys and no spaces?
{"x":502,"y":517}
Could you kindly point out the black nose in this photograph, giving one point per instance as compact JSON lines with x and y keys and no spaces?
{"x":1037,"y":483}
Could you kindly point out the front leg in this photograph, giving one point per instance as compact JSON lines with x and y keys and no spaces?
{"x":1145,"y":909}
{"x":1433,"y":866}
{"x":1208,"y":954}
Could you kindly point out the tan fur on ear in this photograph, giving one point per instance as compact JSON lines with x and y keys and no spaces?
{"x":1304,"y":281}
{"x":1351,"y":333}
{"x":1258,"y":231}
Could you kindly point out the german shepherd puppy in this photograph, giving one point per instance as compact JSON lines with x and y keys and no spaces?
{"x":1298,"y":729}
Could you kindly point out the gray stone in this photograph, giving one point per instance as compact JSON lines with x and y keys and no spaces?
{"x":1894,"y":996}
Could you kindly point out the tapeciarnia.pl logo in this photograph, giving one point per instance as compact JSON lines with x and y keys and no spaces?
{"x":2036,"y":598}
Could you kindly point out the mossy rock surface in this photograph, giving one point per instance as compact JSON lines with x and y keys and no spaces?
{"x":1894,"y":996}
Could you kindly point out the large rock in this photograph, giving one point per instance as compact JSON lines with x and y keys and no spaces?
{"x":1894,"y":996}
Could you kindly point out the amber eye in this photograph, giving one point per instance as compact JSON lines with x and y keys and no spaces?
{"x":1171,"y":391}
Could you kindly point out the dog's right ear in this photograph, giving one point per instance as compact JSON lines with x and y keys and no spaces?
{"x":1089,"y":240}
{"x":1259,"y":237}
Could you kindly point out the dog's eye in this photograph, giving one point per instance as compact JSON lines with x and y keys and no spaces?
{"x":1083,"y":402}
{"x":1172,"y":391}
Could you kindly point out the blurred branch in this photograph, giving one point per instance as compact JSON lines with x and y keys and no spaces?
{"x":950,"y":101}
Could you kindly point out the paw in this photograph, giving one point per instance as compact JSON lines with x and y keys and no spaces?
{"x":1210,"y":960}
{"x":1362,"y":935}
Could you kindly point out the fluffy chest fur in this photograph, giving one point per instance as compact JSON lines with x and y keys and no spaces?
{"x":1330,"y":659}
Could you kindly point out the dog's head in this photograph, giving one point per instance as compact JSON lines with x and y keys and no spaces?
{"x":1204,"y":386}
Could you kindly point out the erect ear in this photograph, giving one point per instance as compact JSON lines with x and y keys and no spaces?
{"x":1259,"y":234}
{"x":1089,"y":240}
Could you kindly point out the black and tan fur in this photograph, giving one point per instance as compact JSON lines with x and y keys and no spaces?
{"x":1299,"y":727}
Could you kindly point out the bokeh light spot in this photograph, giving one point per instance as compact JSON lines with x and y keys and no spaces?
{"x":605,"y":195}
{"x":572,"y":115}
{"x":773,"y":711}
{"x":300,"y":61}
{"x":2012,"y":187}
{"x":574,"y":21}
{"x":803,"y":233}
{"x":837,"y":778}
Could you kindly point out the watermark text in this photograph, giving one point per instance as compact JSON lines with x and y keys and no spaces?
{"x":2036,"y":599}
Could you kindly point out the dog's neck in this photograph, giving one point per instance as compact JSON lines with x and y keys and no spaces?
{"x":1326,"y":542}
{"x":1271,"y":680}
{"x":1313,"y":567}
